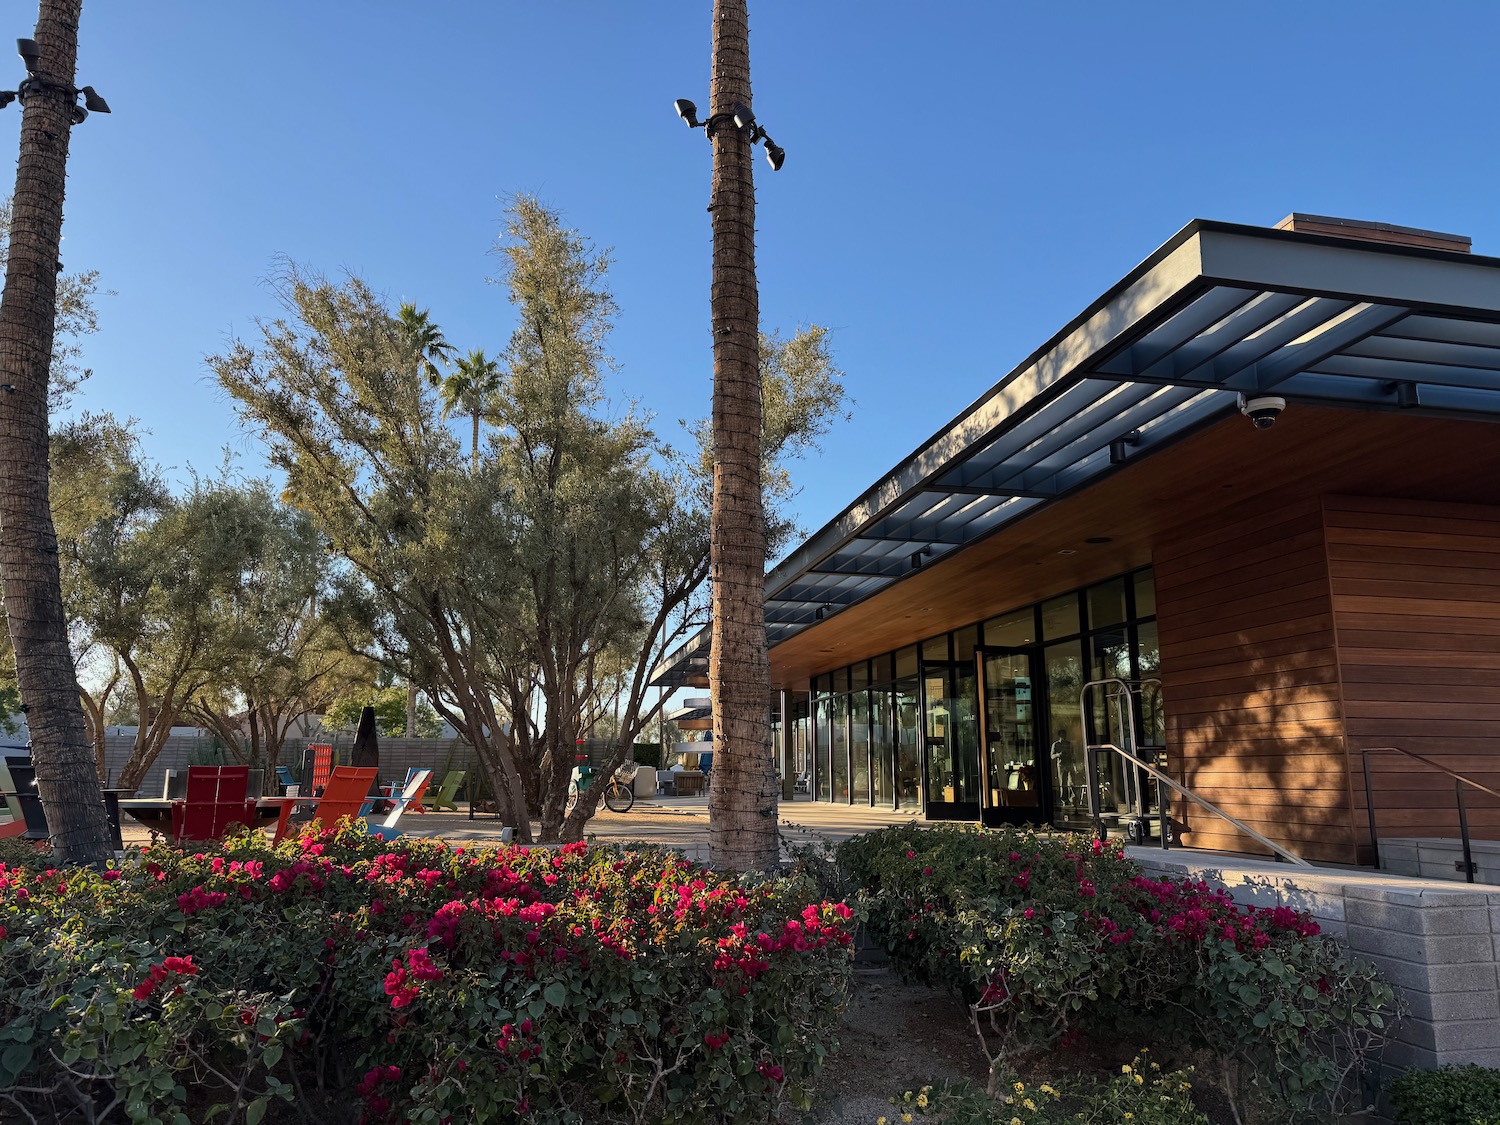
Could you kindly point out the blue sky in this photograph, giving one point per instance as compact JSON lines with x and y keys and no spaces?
{"x":961,"y":178}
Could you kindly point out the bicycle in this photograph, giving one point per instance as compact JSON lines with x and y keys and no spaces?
{"x":619,"y":795}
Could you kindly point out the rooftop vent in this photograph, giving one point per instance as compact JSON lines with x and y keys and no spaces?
{"x":1388,"y":233}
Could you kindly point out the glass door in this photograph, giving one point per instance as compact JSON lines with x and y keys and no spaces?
{"x":1014,"y":781}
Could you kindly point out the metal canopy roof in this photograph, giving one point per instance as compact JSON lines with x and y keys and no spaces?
{"x":1218,"y":311}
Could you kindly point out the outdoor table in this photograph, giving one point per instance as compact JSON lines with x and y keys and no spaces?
{"x":156,"y":812}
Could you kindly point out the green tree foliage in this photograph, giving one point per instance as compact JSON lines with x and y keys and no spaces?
{"x":390,"y":713}
{"x":522,"y":588}
{"x":204,"y":607}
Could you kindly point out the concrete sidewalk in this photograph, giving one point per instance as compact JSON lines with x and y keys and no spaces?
{"x":674,"y":822}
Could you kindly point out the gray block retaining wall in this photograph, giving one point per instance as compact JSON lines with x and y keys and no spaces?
{"x":1439,"y":942}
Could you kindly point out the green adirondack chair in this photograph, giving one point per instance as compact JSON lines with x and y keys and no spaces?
{"x":443,"y":799}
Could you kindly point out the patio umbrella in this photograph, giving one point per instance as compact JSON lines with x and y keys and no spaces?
{"x":366,"y":750}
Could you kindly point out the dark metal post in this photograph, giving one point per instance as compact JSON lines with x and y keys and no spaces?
{"x":1091,"y":775}
{"x":1163,"y":809}
{"x":1463,"y":831}
{"x":1370,"y":810}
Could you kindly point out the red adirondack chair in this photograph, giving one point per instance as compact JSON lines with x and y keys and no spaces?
{"x":346,"y":792}
{"x":215,"y":803}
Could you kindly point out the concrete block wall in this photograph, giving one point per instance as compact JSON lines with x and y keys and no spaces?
{"x":1437,"y":941}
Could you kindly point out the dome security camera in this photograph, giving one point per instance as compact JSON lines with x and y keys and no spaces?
{"x":1262,"y":409}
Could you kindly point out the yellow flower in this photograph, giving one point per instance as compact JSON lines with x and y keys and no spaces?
{"x":1016,"y":1121}
{"x":922,"y":1100}
{"x":1139,"y":1081}
{"x":1129,"y":1116}
{"x":1029,"y":1104}
{"x":906,"y":1118}
{"x":1046,"y":1089}
{"x":880,"y":1121}
{"x":1125,"y":1069}
{"x":1020,"y":1087}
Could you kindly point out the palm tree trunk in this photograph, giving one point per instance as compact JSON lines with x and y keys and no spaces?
{"x":65,"y":770}
{"x":474,"y":447}
{"x":742,"y":799}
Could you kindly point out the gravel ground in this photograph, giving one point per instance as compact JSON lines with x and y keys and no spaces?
{"x":896,"y":1037}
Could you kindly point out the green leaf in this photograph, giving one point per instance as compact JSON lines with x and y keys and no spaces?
{"x":255,"y":1111}
{"x":16,"y":1059}
{"x":556,"y":994}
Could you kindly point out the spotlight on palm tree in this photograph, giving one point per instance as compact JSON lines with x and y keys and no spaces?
{"x":93,"y":102}
{"x":30,"y":54}
{"x":687,"y":111}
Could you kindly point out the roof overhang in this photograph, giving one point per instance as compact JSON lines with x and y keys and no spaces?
{"x":1220,"y":311}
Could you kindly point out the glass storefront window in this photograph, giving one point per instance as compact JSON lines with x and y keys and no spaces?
{"x":904,"y":725}
{"x":822,"y":720}
{"x":965,"y":641}
{"x":906,"y":663}
{"x":939,"y":730}
{"x":1145,"y":593}
{"x":1060,"y":617}
{"x":1148,"y":664}
{"x":859,"y":747}
{"x":838,"y":749}
{"x":882,"y":748}
{"x":1106,"y":604}
{"x":1014,"y":630}
{"x":908,"y":744}
{"x":1064,"y":664}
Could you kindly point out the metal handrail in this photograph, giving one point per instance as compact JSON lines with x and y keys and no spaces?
{"x":1456,"y":776}
{"x":1459,"y":781}
{"x":1092,"y":771}
{"x":1239,"y":825}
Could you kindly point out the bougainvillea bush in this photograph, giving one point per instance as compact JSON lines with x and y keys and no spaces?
{"x":339,"y":978}
{"x":1047,"y":936}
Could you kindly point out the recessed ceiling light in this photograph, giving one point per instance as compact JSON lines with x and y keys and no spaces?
{"x":1067,"y":551}
{"x":1099,"y":539}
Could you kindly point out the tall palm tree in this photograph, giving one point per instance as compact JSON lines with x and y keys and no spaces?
{"x":430,"y":347}
{"x":471,"y":388}
{"x":60,"y":748}
{"x":742,"y":801}
{"x":426,"y":341}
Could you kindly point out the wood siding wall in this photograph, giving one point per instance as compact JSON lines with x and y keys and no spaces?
{"x":1250,"y":676}
{"x":1416,"y":602}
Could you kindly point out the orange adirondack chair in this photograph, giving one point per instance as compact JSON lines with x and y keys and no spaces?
{"x":345,"y":794}
{"x":215,"y":803}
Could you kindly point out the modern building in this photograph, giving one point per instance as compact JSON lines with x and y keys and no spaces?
{"x":1240,"y":519}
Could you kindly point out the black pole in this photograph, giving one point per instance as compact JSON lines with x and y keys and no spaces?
{"x":1370,"y":810}
{"x":1463,"y":831}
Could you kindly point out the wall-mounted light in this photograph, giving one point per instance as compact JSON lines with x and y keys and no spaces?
{"x":742,"y":118}
{"x":918,"y":555}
